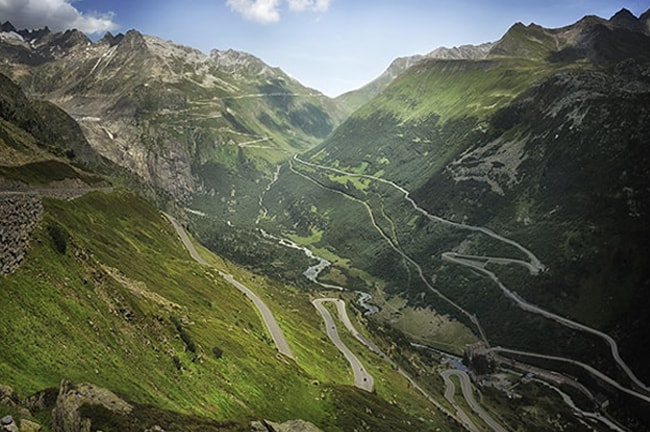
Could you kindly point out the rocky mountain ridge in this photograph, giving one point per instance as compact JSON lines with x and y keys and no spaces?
{"x":569,"y":43}
{"x":163,"y":110}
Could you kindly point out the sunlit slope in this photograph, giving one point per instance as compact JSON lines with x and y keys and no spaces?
{"x":107,"y":294}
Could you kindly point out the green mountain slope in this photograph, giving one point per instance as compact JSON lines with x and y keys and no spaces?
{"x":193,"y":125}
{"x":107,"y":294}
{"x":544,"y":148}
{"x":100,"y":290}
{"x":499,"y":200}
{"x":354,"y":99}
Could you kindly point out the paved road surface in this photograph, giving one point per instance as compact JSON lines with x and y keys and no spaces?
{"x":523,"y":304}
{"x":580,"y":413}
{"x":534,"y":266}
{"x":450,"y":391}
{"x":267,"y":316}
{"x":590,"y":369}
{"x":362,"y":378}
{"x":468,"y":394}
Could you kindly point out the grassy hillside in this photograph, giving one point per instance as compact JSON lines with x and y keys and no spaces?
{"x":108,"y":295}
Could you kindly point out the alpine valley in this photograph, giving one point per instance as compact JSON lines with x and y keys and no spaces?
{"x":195,"y":242}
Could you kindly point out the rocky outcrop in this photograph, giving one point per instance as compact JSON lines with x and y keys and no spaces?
{"x":8,"y":397}
{"x":19,"y":215}
{"x":7,"y":424}
{"x":29,"y":426}
{"x":66,"y":416}
{"x":288,"y":426}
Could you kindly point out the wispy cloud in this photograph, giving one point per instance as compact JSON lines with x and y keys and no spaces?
{"x":56,"y":14}
{"x":268,"y":11}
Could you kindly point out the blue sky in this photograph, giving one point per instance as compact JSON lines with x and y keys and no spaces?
{"x":331,"y":45}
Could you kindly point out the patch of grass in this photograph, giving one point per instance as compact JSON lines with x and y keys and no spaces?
{"x":44,"y":172}
{"x":356,"y":182}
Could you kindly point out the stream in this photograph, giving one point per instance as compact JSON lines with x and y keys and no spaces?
{"x":314,"y":271}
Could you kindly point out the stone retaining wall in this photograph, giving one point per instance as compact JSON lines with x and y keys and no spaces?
{"x":19,"y":215}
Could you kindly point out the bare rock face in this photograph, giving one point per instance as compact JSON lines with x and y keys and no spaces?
{"x":288,"y":426}
{"x":8,"y":396}
{"x":7,"y":424}
{"x":66,"y":416}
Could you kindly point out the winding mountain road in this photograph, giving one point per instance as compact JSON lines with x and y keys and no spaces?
{"x":267,"y":316}
{"x":534,"y":266}
{"x":362,"y":379}
{"x":523,"y":304}
{"x":468,"y":394}
{"x":398,"y":250}
{"x":595,"y":372}
{"x":581,"y":413}
{"x":534,"y":261}
{"x":450,"y":392}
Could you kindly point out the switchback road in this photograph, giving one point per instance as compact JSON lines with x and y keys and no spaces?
{"x":534,"y":265}
{"x":468,"y":394}
{"x":267,"y":316}
{"x":362,"y":378}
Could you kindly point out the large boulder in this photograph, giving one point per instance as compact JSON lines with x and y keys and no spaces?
{"x":29,"y":426}
{"x":7,"y":396}
{"x":7,"y":424}
{"x":288,"y":426}
{"x":66,"y":416}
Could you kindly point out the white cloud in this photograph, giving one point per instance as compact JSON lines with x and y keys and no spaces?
{"x":263,"y":11}
{"x":311,"y":5}
{"x":56,"y":14}
{"x":268,"y":11}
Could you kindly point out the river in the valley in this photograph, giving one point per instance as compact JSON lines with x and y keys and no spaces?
{"x":312,"y":273}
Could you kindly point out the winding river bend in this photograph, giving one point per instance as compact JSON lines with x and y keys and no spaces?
{"x":314,"y":271}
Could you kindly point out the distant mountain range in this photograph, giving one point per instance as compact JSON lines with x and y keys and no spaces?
{"x":577,"y":41}
{"x":167,"y":112}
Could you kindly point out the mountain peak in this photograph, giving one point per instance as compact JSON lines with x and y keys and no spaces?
{"x":133,"y":40}
{"x":463,"y":52}
{"x":530,"y":41}
{"x":623,"y":14}
{"x":65,"y":41}
{"x":7,"y":27}
{"x":624,"y":19}
{"x":237,"y":60}
{"x":33,"y":35}
{"x":111,"y":40}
